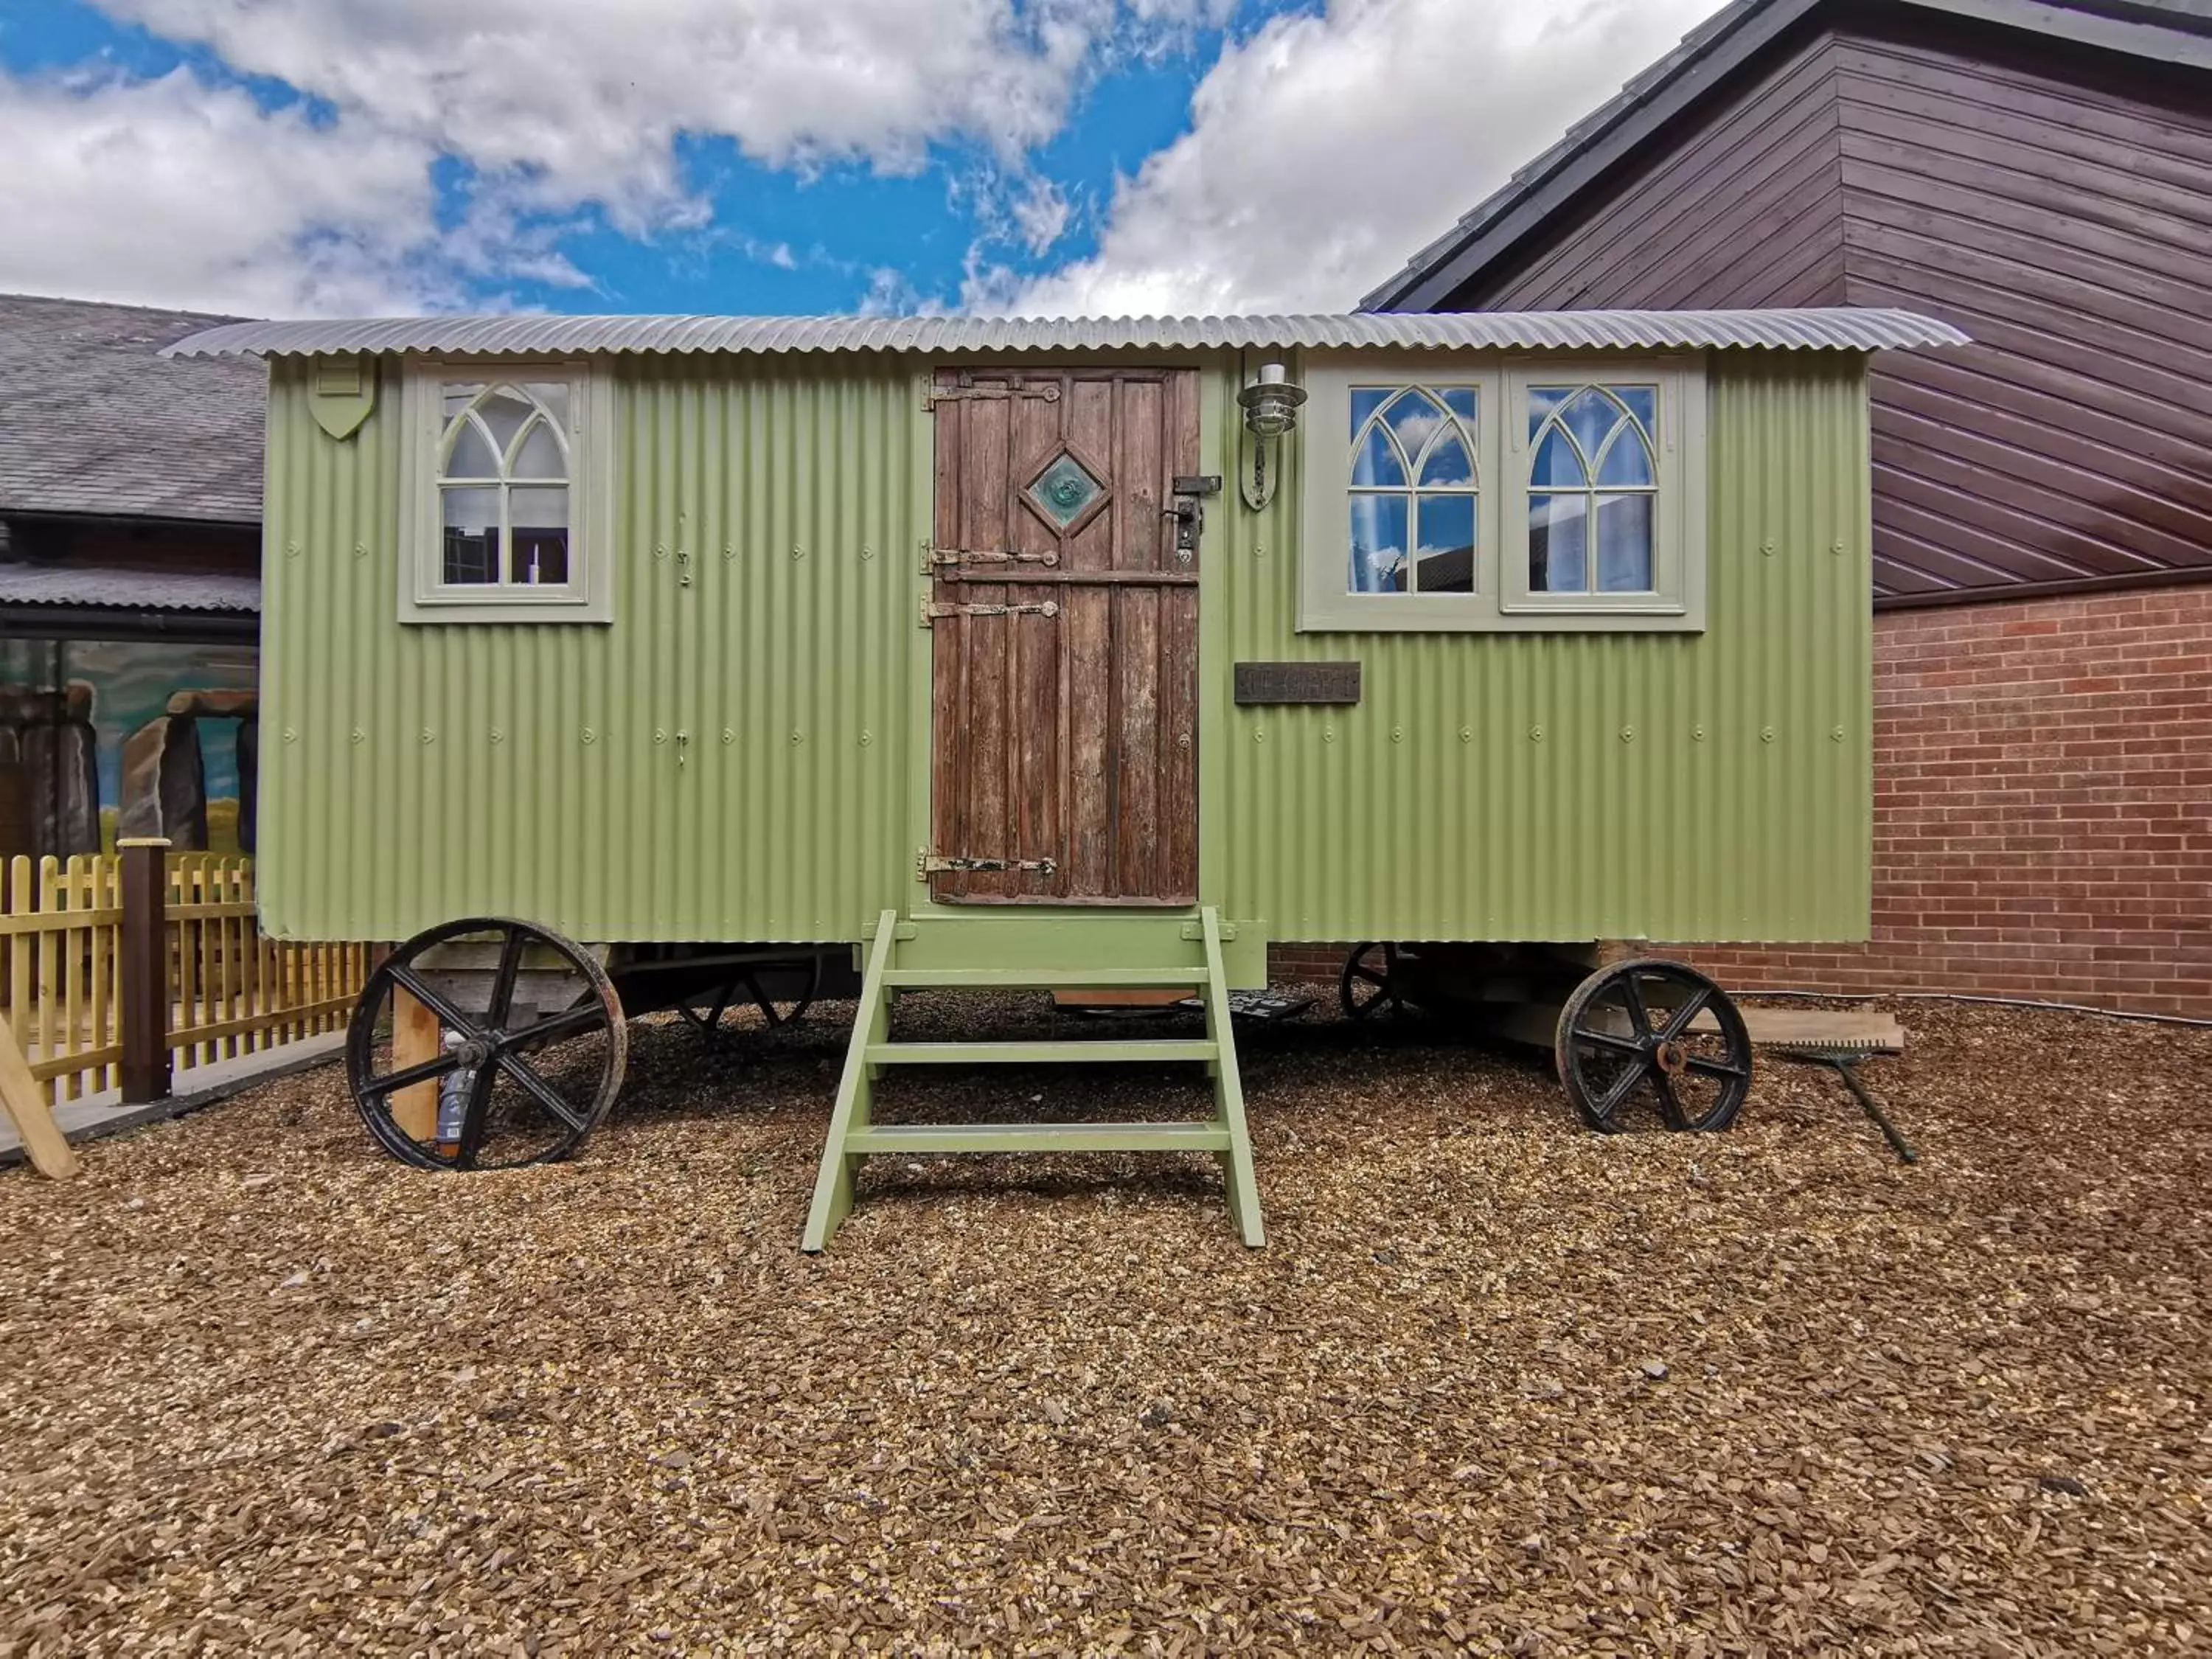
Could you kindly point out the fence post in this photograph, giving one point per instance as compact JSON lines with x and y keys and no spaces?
{"x":145,"y":969}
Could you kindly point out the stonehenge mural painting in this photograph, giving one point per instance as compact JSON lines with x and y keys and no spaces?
{"x":100,"y":739}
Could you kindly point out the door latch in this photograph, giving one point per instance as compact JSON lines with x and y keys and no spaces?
{"x":933,"y":608}
{"x":934,"y":558}
{"x":1188,"y":511}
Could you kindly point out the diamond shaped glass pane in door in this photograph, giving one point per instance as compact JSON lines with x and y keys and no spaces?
{"x":1063,"y":489}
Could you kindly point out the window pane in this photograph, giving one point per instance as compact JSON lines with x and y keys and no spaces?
{"x":504,"y":411}
{"x":554,"y":394}
{"x":1378,"y":543}
{"x":1447,"y":549}
{"x":1628,"y":464}
{"x":1542,"y":400}
{"x":1365,"y":400}
{"x":1590,"y":415}
{"x":1556,"y":462}
{"x":539,"y":455}
{"x":1374,"y":462}
{"x":459,"y":394}
{"x":470,"y":456}
{"x":1459,"y":399}
{"x":538,"y":553}
{"x":1415,"y":417}
{"x":1643,"y":403}
{"x":471,"y":517}
{"x":1556,"y":541}
{"x":1624,"y":544}
{"x":1448,"y":463}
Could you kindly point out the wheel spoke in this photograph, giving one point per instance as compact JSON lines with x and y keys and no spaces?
{"x":542,"y":1092}
{"x":1670,"y":1107}
{"x":1705,"y":1067}
{"x":475,"y":1112}
{"x":769,"y":1016}
{"x":436,"y":1002}
{"x":502,"y":984}
{"x":1678,"y":1021}
{"x":1623,"y":1086}
{"x":1612,"y":1041}
{"x":589,"y":1015}
{"x":1633,"y":994}
{"x":429,"y":1071}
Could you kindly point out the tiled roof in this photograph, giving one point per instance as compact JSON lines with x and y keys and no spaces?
{"x":94,"y":420}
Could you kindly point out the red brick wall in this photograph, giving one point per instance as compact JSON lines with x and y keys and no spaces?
{"x":2043,"y":810}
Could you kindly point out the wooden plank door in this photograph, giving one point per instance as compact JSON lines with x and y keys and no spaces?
{"x":1064,"y":688}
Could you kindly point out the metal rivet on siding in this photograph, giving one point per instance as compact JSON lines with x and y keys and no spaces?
{"x":1535,"y":734}
{"x":1397,"y":734}
{"x":1628,"y":734}
{"x":729,"y":552}
{"x":291,"y":736}
{"x":590,"y":736}
{"x":1768,"y":548}
{"x":1835,"y":547}
{"x":359,"y":736}
{"x":1835,"y":734}
{"x":1259,"y":552}
{"x":1467,"y":734}
{"x":659,"y":734}
{"x":498,"y":736}
{"x":428,"y":736}
{"x":867,"y":737}
{"x":867,"y":552}
{"x":798,"y":552}
{"x":361,"y":550}
{"x":291,"y":549}
{"x":799,"y":737}
{"x":1766,"y":734}
{"x":1259,"y":734}
{"x":660,"y":551}
{"x":1697,"y":734}
{"x":1328,"y":734}
{"x":728,"y":735}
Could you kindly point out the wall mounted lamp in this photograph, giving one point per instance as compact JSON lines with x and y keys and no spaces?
{"x":1271,"y":413}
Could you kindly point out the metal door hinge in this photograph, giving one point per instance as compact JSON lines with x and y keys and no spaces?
{"x":932,"y":609}
{"x":927,"y":865}
{"x":968,"y":392}
{"x":934,"y":558}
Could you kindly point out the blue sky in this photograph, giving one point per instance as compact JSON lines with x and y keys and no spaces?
{"x":293,"y":156}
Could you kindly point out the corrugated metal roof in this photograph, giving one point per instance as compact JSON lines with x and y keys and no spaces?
{"x":1842,"y":329}
{"x":132,"y":589}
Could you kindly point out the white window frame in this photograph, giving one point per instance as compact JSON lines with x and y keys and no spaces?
{"x":1501,"y":601}
{"x":588,"y":594}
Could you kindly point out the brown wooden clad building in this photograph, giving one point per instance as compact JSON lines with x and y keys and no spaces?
{"x":2039,"y":172}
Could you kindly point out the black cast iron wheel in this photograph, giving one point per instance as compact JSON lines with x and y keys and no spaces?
{"x":1628,"y":1032}
{"x":543,"y":1066}
{"x":1368,"y":982}
{"x":704,"y":1014}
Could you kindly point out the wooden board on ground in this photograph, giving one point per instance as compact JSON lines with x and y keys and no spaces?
{"x":1868,"y":1030}
{"x":25,"y":1102}
{"x":1075,"y":1001}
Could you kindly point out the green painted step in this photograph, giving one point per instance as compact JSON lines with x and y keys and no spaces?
{"x":1030,"y":1053}
{"x":888,"y":1139}
{"x":1044,"y":979}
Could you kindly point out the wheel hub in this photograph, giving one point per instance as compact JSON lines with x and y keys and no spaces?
{"x":1671,"y":1058}
{"x":473,"y":1053}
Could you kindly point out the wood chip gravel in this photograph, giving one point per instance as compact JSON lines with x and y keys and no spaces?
{"x":1497,"y":1384}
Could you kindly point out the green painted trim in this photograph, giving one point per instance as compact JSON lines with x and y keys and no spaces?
{"x":1237,"y":1171}
{"x":1037,"y":1053}
{"x":1047,"y":978}
{"x":833,"y":1182}
{"x":909,"y":1138}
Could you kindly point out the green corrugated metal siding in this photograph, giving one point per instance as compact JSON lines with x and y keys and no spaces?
{"x":1684,"y":786}
{"x":412,"y":774}
{"x":416,"y":774}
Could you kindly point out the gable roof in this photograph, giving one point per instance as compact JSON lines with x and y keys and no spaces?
{"x":96,"y":422}
{"x":1834,"y":328}
{"x":2170,"y":31}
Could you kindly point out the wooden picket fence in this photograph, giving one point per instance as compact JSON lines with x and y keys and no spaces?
{"x":66,"y":957}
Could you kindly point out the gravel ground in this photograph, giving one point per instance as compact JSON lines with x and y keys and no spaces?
{"x":1497,"y":1384}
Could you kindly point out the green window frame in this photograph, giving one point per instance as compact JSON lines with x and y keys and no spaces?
{"x":1365,"y":496}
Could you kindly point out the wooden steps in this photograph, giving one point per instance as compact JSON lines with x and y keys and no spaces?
{"x":1166,"y":953}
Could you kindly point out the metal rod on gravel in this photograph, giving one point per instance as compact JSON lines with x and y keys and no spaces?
{"x":1844,"y":1060}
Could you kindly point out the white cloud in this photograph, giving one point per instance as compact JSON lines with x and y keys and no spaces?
{"x":1326,"y":148}
{"x":173,"y":191}
{"x":1041,"y":214}
{"x":579,"y":102}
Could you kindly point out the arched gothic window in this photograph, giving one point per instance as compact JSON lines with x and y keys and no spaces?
{"x":1415,"y":483}
{"x":1593,"y":488}
{"x":503,"y":483}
